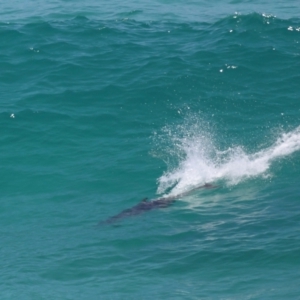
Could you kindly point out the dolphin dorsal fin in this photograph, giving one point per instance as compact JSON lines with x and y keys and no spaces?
{"x":144,"y":200}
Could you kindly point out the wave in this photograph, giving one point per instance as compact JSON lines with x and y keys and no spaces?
{"x":200,"y":161}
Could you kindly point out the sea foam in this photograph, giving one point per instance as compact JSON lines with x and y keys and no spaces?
{"x":200,"y":161}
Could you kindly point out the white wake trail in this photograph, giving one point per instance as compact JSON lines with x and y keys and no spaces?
{"x":203,"y":163}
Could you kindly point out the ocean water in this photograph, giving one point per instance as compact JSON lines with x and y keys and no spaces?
{"x":104,"y":103}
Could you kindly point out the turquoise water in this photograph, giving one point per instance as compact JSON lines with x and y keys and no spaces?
{"x":105,"y":103}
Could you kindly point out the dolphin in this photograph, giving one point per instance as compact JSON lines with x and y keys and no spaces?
{"x":146,"y":205}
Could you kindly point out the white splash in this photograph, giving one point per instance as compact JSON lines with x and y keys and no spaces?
{"x":201,"y":162}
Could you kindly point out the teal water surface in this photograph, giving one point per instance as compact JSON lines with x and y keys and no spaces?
{"x":104,"y":104}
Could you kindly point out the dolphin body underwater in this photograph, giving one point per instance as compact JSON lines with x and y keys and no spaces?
{"x":146,"y":205}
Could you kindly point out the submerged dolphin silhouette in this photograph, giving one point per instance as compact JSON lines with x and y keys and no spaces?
{"x":146,"y":205}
